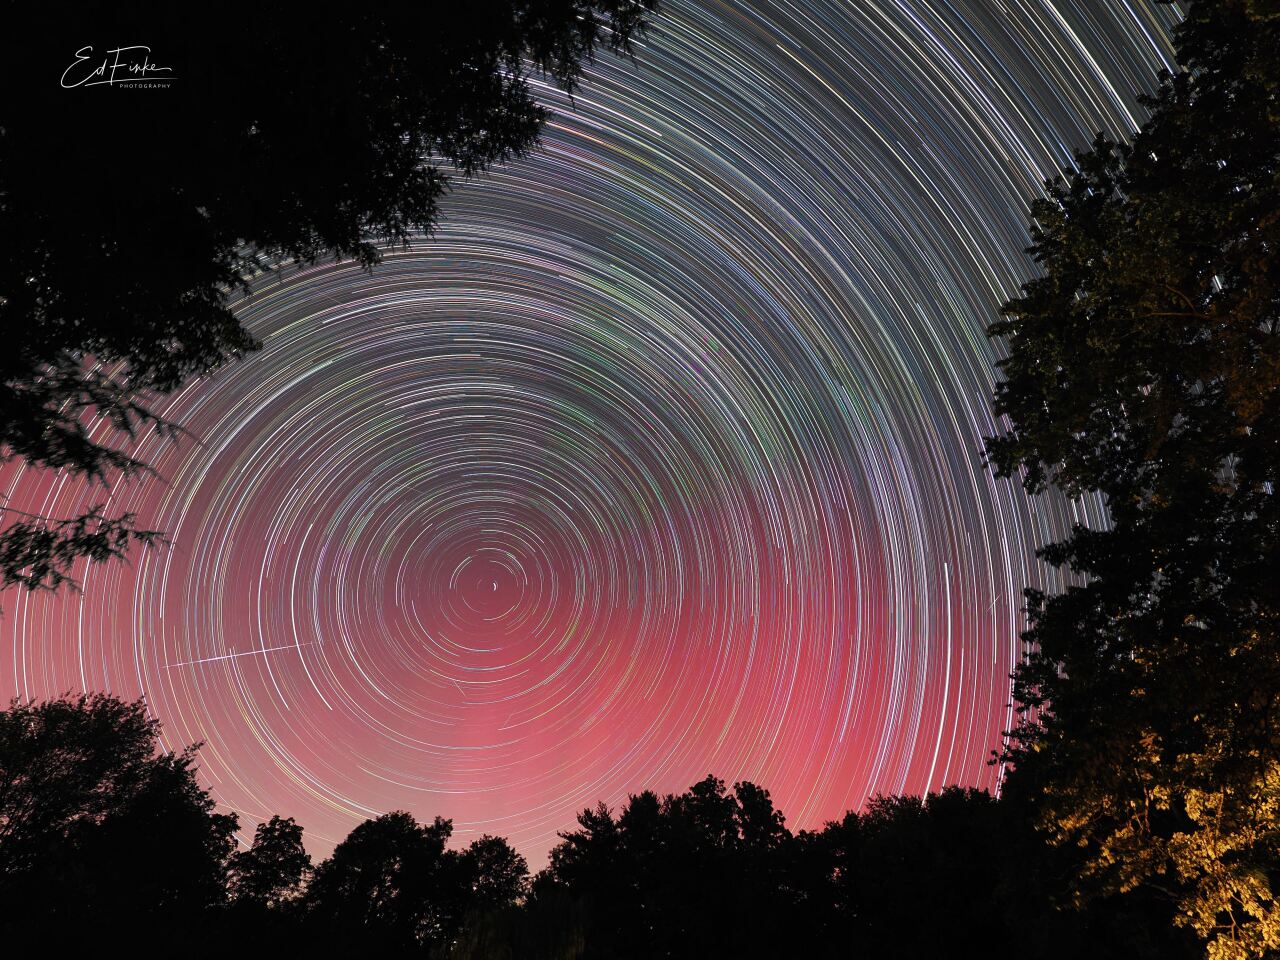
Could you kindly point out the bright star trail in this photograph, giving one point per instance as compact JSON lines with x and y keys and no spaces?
{"x":661,"y":458}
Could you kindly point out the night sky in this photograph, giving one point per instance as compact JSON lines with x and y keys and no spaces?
{"x":662,"y":457}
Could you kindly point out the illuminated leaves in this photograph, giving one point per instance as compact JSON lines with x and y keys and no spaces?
{"x":1142,"y":366}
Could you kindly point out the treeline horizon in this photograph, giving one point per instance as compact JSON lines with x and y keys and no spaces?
{"x":107,"y":839}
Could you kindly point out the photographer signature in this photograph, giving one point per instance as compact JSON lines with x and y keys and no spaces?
{"x":118,"y":59}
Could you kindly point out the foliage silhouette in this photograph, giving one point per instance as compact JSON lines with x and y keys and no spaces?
{"x":130,"y":221}
{"x":1144,"y":365}
{"x":102,"y":834}
{"x":271,"y":872}
{"x":390,"y":883}
{"x":495,"y":874}
{"x":104,"y":839}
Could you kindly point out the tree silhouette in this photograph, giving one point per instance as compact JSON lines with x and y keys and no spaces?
{"x":1144,"y":364}
{"x":496,"y":876}
{"x":271,"y":872}
{"x":495,"y":882}
{"x":102,"y":835}
{"x":699,"y":873}
{"x":106,"y":840}
{"x":389,"y":884}
{"x":129,"y":222}
{"x":880,"y":869}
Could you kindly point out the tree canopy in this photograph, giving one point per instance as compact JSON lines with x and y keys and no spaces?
{"x":101,"y":831}
{"x":271,"y":872}
{"x":106,"y":839}
{"x":383,"y":884}
{"x":130,"y":220}
{"x":1144,"y":365}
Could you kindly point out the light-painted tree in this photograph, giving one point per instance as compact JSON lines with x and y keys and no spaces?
{"x":1144,"y":364}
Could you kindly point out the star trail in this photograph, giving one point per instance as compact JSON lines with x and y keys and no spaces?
{"x":661,"y":457}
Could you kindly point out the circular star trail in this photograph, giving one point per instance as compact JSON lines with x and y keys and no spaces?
{"x":662,"y":457}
